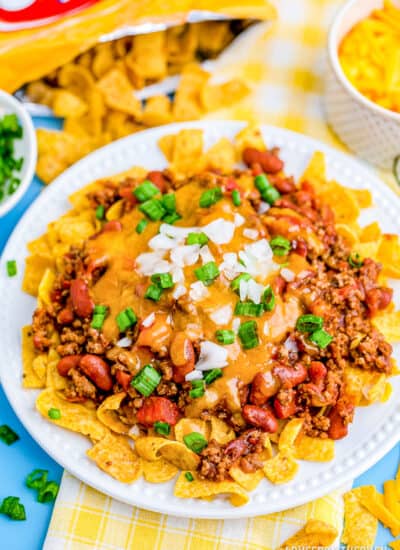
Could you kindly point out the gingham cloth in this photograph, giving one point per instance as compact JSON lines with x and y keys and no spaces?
{"x":286,"y":70}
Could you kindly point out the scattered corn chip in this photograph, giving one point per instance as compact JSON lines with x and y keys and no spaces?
{"x":314,"y":534}
{"x":360,"y":526}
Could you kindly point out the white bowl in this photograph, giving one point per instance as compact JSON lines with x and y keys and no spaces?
{"x":25,"y":147}
{"x":369,"y":130}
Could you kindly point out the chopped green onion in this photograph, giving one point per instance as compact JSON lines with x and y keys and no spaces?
{"x":280,"y":246}
{"x":153,"y":292}
{"x":37,"y":479}
{"x":195,"y":441}
{"x":11,"y":268}
{"x":321,"y":338}
{"x":271,"y":195}
{"x":249,"y":309}
{"x":235,"y":284}
{"x":197,"y":238}
{"x":197,"y":384}
{"x":12,"y":508}
{"x":162,"y":428}
{"x":126,"y":319}
{"x":169,"y":202}
{"x":99,"y":316}
{"x":262,"y":183}
{"x":153,"y":209}
{"x":210,"y":197}
{"x":172,"y":218}
{"x":7,"y":435}
{"x":100,"y":310}
{"x":355,"y":260}
{"x":309,"y":323}
{"x":141,"y":226}
{"x":268,"y":299}
{"x":189,"y":476}
{"x":146,"y":381}
{"x":162,"y":280}
{"x":225,"y":337}
{"x":48,"y":492}
{"x":54,"y":414}
{"x":248,"y":334}
{"x":396,"y":168}
{"x":13,"y":185}
{"x":100,"y":211}
{"x":237,"y":201}
{"x":145,"y":191}
{"x":10,"y":126}
{"x":197,"y":392}
{"x":212,"y":375}
{"x":207,"y":273}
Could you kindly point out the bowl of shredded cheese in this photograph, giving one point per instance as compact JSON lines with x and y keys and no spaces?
{"x":362,"y":93}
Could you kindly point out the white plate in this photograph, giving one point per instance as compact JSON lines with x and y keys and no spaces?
{"x":375,"y":429}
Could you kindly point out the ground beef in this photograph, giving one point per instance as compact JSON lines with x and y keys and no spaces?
{"x":80,"y":386}
{"x":96,"y":342}
{"x":42,"y":329}
{"x":72,"y":341}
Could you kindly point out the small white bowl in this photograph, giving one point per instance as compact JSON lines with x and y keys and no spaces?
{"x":25,"y":147}
{"x":371,"y":131}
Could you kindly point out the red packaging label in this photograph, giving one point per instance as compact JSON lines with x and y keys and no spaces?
{"x":24,"y":14}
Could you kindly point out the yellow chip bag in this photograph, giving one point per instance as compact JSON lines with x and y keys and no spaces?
{"x":281,"y":469}
{"x":199,"y":488}
{"x":158,"y":471}
{"x":114,"y":455}
{"x":73,"y":416}
{"x":107,"y":414}
{"x":315,"y":534}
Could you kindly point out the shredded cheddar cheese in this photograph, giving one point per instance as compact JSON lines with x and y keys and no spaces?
{"x":370,"y":57}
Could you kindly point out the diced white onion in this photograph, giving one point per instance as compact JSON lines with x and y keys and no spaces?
{"x":124,"y":342}
{"x":258,"y":258}
{"x":236,"y":324}
{"x":238,"y":220}
{"x":291,"y":344}
{"x":205,"y":255}
{"x":212,"y":356}
{"x":175,"y":232}
{"x":198,"y":291}
{"x":288,"y":275}
{"x":254,"y":291}
{"x":220,"y":231}
{"x":250,"y":233}
{"x":222,"y":315}
{"x":150,"y":263}
{"x":162,"y":242}
{"x":178,"y":291}
{"x":149,"y":320}
{"x":243,"y":287}
{"x":177,"y":275}
{"x":230,"y":267}
{"x":135,"y":430}
{"x":266,"y":328}
{"x":187,"y":254}
{"x":264,"y":207}
{"x":194,"y":375}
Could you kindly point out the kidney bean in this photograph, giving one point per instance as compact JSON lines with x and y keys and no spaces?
{"x":123,"y":379}
{"x":263,"y":418}
{"x":67,"y":363}
{"x":270,"y":163}
{"x":278,"y":285}
{"x":317,"y":372}
{"x":158,"y":409}
{"x":82,"y":303}
{"x":236,"y":448}
{"x":95,"y":368}
{"x":284,"y":185}
{"x":378,"y":298}
{"x":287,"y":409}
{"x":112,"y":225}
{"x":290,"y":376}
{"x":126,"y":192}
{"x":340,"y":416}
{"x":159,"y":180}
{"x":299,"y":246}
{"x":66,"y":316}
{"x":264,"y":386}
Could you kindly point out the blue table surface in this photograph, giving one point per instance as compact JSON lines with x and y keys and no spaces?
{"x":19,"y":459}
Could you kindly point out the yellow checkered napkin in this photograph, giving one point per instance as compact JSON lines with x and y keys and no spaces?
{"x":286,"y":71}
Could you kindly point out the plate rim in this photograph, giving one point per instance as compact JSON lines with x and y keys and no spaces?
{"x":167,"y":507}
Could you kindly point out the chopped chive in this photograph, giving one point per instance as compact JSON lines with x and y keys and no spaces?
{"x":248,"y":334}
{"x":48,"y":492}
{"x":153,"y":209}
{"x":268,"y":299}
{"x":196,"y":392}
{"x":162,"y":428}
{"x":7,"y":435}
{"x":153,"y":292}
{"x":126,"y":319}
{"x":141,"y":226}
{"x":207,"y":273}
{"x":237,"y":201}
{"x":162,"y":280}
{"x":249,"y":309}
{"x":11,"y":268}
{"x":189,"y":476}
{"x":262,"y":183}
{"x":36,"y":479}
{"x":212,"y":375}
{"x":197,"y":238}
{"x":12,"y":508}
{"x":169,"y":202}
{"x":225,"y":336}
{"x":195,"y":441}
{"x":100,"y":211}
{"x":145,"y":191}
{"x":235,"y":284}
{"x":54,"y":414}
{"x":280,"y":246}
{"x":321,"y":338}
{"x":271,"y":195}
{"x":210,"y":197}
{"x":146,"y":381}
{"x":309,"y":323}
